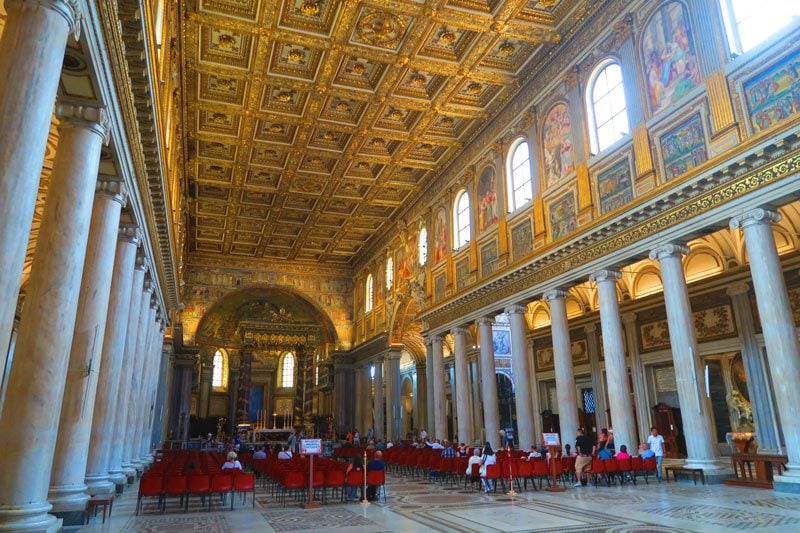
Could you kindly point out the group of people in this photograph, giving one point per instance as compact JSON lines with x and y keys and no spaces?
{"x":604,"y":448}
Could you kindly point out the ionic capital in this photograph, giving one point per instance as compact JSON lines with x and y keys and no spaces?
{"x":628,"y":318}
{"x":485,"y":321}
{"x":738,"y":288}
{"x":129,"y":233}
{"x":516,"y":309}
{"x":755,"y":216}
{"x":436,"y":338}
{"x":458,"y":330}
{"x":605,"y":275}
{"x":590,"y":328}
{"x":154,"y":300}
{"x":555,"y":294}
{"x":148,"y":286}
{"x":141,"y":262}
{"x":112,"y":187}
{"x":69,"y":9}
{"x":672,"y":249}
{"x":79,"y":115}
{"x":428,"y":340}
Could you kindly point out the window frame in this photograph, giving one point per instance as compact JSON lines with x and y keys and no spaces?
{"x":288,"y":356}
{"x":458,"y":243}
{"x":590,"y":103}
{"x":422,"y":246}
{"x":223,"y":372}
{"x":730,"y":27}
{"x":369,"y":294}
{"x":510,"y":186}
{"x":389,"y":273}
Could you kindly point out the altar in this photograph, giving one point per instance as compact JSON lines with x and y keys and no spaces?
{"x":271,"y":436}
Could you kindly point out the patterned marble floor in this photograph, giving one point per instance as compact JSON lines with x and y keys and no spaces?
{"x":416,"y":505}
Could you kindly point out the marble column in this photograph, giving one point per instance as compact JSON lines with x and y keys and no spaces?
{"x":367,"y":420}
{"x":439,"y":405}
{"x":755,"y":367}
{"x":157,"y":412}
{"x":614,"y":350}
{"x":29,"y":422}
{"x":141,"y":441}
{"x":359,"y":406}
{"x":698,"y":427}
{"x":640,"y":399}
{"x":117,"y":472}
{"x":566,"y":391}
{"x":138,"y":406}
{"x":102,"y":431}
{"x":598,"y":384}
{"x":491,"y":405}
{"x":430,"y":401}
{"x":377,"y":399}
{"x":421,"y":398}
{"x":129,"y":465}
{"x":461,"y":375}
{"x":777,"y":324}
{"x":31,"y":55}
{"x":519,"y":365}
{"x":394,"y":407}
{"x":67,"y":487}
{"x":150,"y":399}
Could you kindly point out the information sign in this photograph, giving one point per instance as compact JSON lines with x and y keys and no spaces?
{"x":551,"y":439}
{"x":311,"y":446}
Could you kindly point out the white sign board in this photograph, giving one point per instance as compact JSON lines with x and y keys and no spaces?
{"x":311,"y":446}
{"x":551,"y":439}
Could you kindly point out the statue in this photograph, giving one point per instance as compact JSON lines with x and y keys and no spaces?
{"x":740,"y":411}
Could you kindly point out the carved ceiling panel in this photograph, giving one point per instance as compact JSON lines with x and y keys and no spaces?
{"x":310,"y":122}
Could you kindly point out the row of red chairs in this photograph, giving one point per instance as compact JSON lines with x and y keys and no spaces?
{"x":164,"y":486}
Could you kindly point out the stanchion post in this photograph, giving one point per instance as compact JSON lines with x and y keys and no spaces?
{"x":364,"y":500}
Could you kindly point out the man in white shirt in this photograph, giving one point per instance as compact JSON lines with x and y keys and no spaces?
{"x":423,"y":434}
{"x":656,"y":444}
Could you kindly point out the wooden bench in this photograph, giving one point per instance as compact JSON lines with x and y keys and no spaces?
{"x":106,"y":501}
{"x":684,"y":470}
{"x":755,"y":470}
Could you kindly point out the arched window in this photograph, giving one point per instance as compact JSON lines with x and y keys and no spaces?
{"x":389,"y":274}
{"x":606,"y":108}
{"x":368,"y":294}
{"x":219,"y":371}
{"x":316,"y":375}
{"x":520,"y":190}
{"x":749,"y":23}
{"x":462,"y":220}
{"x":422,"y":245}
{"x":287,"y":370}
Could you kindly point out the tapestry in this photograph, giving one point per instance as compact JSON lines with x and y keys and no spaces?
{"x":563,"y":216}
{"x":712,"y":323}
{"x":487,"y":199}
{"x":439,"y":283}
{"x":774,"y":95}
{"x":669,"y":55}
{"x":488,"y":258}
{"x":559,"y":160}
{"x":684,"y":147}
{"x":522,"y":239}
{"x":439,"y":236}
{"x":578,"y":349}
{"x":462,"y":273}
{"x":614,"y":187}
{"x":501,"y":340}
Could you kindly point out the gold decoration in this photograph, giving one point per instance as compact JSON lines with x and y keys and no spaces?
{"x":276,"y":128}
{"x":218,"y":118}
{"x":447,"y":37}
{"x":224,"y":83}
{"x":329,"y":136}
{"x":342,"y":106}
{"x":381,"y":29}
{"x":226,"y":41}
{"x":310,"y":8}
{"x":378,"y":143}
{"x":396,"y":114}
{"x":296,"y":55}
{"x":474,"y":88}
{"x":506,"y":49}
{"x":418,"y":80}
{"x":361,"y":165}
{"x":284,"y":97}
{"x":358,"y":68}
{"x":446,"y":121}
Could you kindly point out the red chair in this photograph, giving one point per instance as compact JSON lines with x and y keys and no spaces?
{"x":598,"y":469}
{"x":355,"y":478}
{"x":334,"y":480}
{"x":525,"y":471}
{"x":540,"y":471}
{"x":474,"y":477}
{"x":650,"y":465}
{"x":612,"y":469}
{"x":637,"y":465}
{"x":173,"y":486}
{"x":149,"y":486}
{"x":199,"y":485}
{"x":625,"y":471}
{"x":493,"y":473}
{"x":293,"y":481}
{"x":377,"y":478}
{"x":244,"y":483}
{"x":221,"y":484}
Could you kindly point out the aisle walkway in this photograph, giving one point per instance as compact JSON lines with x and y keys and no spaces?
{"x":415,"y":506}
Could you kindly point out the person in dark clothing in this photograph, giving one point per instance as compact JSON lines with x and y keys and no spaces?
{"x":583,"y":462}
{"x":375,"y":464}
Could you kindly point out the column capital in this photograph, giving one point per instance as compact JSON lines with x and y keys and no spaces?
{"x":485,"y":320}
{"x":141,"y":262}
{"x":436,"y":338}
{"x":516,"y":309}
{"x":81,"y":115}
{"x":148,"y":286}
{"x":458,"y":330}
{"x":605,"y":275}
{"x":555,"y":294}
{"x":590,"y":328}
{"x":737,"y":288}
{"x":129,"y":233}
{"x":755,"y":216}
{"x":672,"y":249}
{"x":628,"y":318}
{"x":112,"y":187}
{"x":69,"y":9}
{"x":154,"y":301}
{"x":428,"y":340}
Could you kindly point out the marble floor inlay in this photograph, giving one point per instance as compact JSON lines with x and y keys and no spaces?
{"x":418,"y":505}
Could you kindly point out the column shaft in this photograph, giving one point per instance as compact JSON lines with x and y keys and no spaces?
{"x":491,"y":404}
{"x":421,"y":398}
{"x":102,"y":432}
{"x":440,"y":430}
{"x":430,"y":401}
{"x":642,"y":407}
{"x":366,"y":402}
{"x":359,"y":407}
{"x":695,"y":413}
{"x":141,"y":393}
{"x":777,"y":324}
{"x":616,"y":369}
{"x":393,"y":404}
{"x":31,"y":55}
{"x":562,"y":358}
{"x":377,"y":406}
{"x":462,"y":396}
{"x":67,"y":487}
{"x":142,"y":446}
{"x":36,"y":381}
{"x":521,"y":373}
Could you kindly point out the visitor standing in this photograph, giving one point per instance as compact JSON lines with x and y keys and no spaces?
{"x":583,"y":462}
{"x":656,"y":443}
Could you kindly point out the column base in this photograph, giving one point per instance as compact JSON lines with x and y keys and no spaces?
{"x":128,"y":470}
{"x":138,"y":466}
{"x":117,"y":476}
{"x":29,"y":517}
{"x":789,"y":481}
{"x":100,"y":484}
{"x":67,"y":499}
{"x":71,"y":518}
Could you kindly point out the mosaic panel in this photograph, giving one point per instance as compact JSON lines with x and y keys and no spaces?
{"x":684,"y":147}
{"x":522,"y":239}
{"x":774,"y":95}
{"x":614,"y":187}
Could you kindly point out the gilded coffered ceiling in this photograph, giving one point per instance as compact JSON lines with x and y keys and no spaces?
{"x":310,"y":122}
